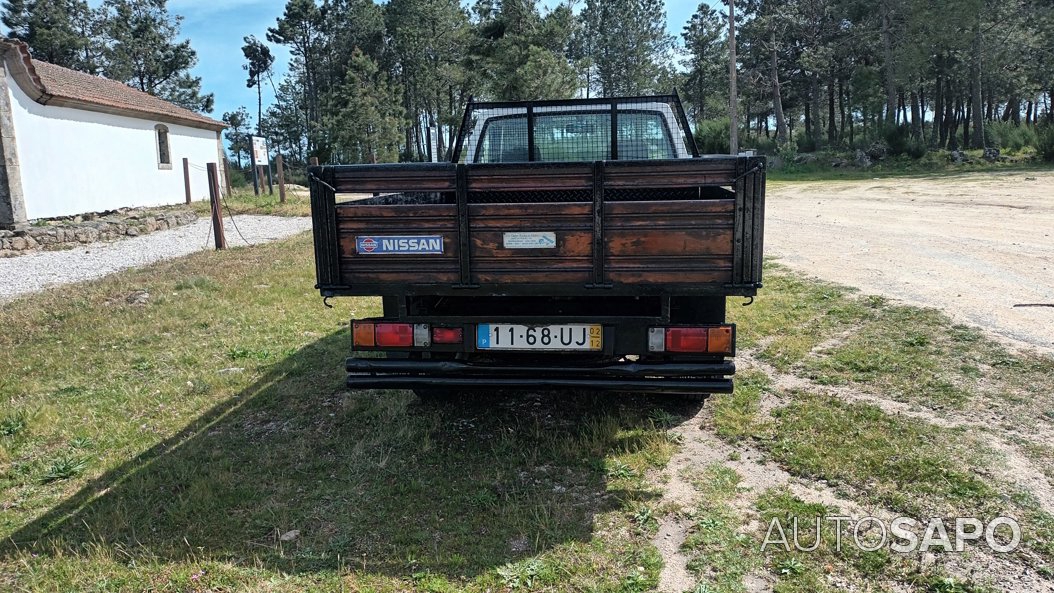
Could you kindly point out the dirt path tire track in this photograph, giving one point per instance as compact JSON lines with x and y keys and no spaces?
{"x":1019,"y":469}
{"x":701,"y":448}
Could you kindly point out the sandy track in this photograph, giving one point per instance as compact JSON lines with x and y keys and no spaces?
{"x":972,"y":245}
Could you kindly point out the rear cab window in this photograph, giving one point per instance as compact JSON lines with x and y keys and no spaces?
{"x":575,"y":136}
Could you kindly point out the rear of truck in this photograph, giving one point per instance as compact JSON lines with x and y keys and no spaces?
{"x":569,"y":244}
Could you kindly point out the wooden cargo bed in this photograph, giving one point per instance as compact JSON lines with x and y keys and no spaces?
{"x":689,"y":226}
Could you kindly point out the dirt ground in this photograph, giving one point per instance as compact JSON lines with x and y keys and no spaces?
{"x":975,"y":246}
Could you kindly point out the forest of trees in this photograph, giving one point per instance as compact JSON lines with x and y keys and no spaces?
{"x":366,"y":81}
{"x":133,"y":41}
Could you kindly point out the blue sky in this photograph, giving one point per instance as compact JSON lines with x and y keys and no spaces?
{"x":216,"y":29}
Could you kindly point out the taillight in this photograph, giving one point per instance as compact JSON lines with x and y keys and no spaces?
{"x":703,"y":340}
{"x":362,"y":333}
{"x":686,"y":339}
{"x":447,"y":335}
{"x":720,"y":340}
{"x":394,"y":334}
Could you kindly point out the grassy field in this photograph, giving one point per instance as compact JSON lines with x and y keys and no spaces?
{"x":244,"y":201}
{"x":934,"y":164}
{"x":203,"y":441}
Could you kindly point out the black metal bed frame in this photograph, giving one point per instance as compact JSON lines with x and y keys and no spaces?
{"x":613,"y":104}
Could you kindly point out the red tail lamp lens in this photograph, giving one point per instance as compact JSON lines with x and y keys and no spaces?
{"x":394,"y":334}
{"x":447,"y":335}
{"x":362,"y":333}
{"x":686,"y":339}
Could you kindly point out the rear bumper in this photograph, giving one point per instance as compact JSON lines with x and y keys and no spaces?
{"x":710,"y":377}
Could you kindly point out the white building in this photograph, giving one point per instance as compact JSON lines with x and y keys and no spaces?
{"x":73,"y":143}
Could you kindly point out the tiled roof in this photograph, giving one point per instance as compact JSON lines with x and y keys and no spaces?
{"x":58,"y":85}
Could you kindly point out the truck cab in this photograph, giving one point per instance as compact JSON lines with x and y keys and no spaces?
{"x":566,"y":244}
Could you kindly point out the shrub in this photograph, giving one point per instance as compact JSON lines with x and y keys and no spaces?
{"x":239,"y":178}
{"x":916,"y":149}
{"x":805,"y":143}
{"x":898,"y":139}
{"x":712,"y":136}
{"x":1009,"y":136}
{"x":1045,"y":142}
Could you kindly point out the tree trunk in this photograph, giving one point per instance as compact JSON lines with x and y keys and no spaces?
{"x":841,"y":108}
{"x":948,"y":127}
{"x":808,"y":119}
{"x":817,"y":118}
{"x":733,"y":96}
{"x":938,"y":112}
{"x":952,"y":121}
{"x":916,"y":117}
{"x":782,"y":135}
{"x":922,"y":110}
{"x":1028,"y":114}
{"x":832,"y":128}
{"x":975,"y":83}
{"x":967,"y":119}
{"x":888,"y":70}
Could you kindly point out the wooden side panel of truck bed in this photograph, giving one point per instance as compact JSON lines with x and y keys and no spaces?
{"x":631,"y":227}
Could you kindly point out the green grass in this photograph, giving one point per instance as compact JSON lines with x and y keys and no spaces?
{"x":903,"y":465}
{"x":180,"y":444}
{"x":721,"y":553}
{"x":170,"y":446}
{"x":833,"y":336}
{"x":934,"y":164}
{"x":244,"y":201}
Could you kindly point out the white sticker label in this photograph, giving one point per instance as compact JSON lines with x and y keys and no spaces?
{"x":528,"y":240}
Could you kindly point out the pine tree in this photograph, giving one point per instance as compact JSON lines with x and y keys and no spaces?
{"x":61,"y":32}
{"x":143,"y":51}
{"x":366,"y":119}
{"x":627,"y":44}
{"x":259,"y":60}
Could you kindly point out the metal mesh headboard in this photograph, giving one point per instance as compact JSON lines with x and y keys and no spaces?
{"x":629,"y":128}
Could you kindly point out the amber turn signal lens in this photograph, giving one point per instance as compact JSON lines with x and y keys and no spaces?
{"x":362,"y":333}
{"x":720,"y":341}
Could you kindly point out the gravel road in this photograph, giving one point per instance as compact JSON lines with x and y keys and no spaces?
{"x":973,"y":246}
{"x":38,"y":270}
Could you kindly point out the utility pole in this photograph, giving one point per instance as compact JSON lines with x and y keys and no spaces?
{"x":733,"y":98}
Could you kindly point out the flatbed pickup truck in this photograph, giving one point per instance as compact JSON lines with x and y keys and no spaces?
{"x":567,"y":244}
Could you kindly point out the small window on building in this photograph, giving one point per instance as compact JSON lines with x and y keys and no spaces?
{"x":164,"y":155}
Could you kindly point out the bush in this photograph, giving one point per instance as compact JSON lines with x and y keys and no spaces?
{"x":1009,"y":136}
{"x":805,"y":143}
{"x":238,"y":178}
{"x":916,"y":149}
{"x":713,"y":137}
{"x":898,"y":139}
{"x":1045,"y":142}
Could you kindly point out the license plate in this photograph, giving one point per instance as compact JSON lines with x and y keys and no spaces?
{"x":504,"y":336}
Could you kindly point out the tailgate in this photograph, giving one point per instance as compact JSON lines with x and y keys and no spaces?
{"x":630,"y":227}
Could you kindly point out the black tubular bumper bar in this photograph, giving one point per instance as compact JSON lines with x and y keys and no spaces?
{"x":714,"y":377}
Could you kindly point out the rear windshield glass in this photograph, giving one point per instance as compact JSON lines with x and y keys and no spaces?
{"x":578,"y":136}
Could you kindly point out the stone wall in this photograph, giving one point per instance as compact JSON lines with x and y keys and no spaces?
{"x":66,"y":233}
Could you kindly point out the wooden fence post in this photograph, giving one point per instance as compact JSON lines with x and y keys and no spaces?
{"x":186,"y":177}
{"x":256,"y":173}
{"x":217,"y":214}
{"x":227,"y":175}
{"x":281,"y":178}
